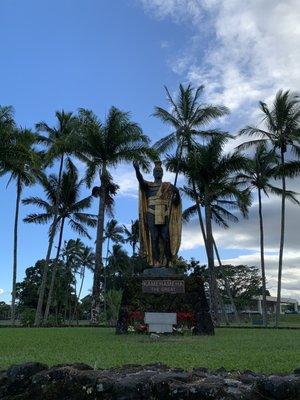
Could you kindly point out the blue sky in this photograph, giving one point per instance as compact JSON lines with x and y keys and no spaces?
{"x":88,"y":53}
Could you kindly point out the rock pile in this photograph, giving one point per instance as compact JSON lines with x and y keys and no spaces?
{"x":35,"y":381}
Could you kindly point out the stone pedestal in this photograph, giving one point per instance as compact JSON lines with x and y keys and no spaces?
{"x":162,"y":290}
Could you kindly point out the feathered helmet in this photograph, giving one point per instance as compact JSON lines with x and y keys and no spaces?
{"x":157,"y":166}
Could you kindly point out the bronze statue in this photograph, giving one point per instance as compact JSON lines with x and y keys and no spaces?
{"x":160,"y":218}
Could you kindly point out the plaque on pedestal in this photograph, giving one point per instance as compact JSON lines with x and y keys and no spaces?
{"x":163,"y":285}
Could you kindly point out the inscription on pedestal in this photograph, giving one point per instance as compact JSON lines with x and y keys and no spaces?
{"x":163,"y":286}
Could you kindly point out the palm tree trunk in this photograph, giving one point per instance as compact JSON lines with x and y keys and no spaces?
{"x":282,"y":233}
{"x":82,"y":280}
{"x":262,"y":260}
{"x":96,"y":300}
{"x":79,"y":294}
{"x":75,"y":300}
{"x":205,"y":245}
{"x":15,"y":259}
{"x":211,"y":265}
{"x":39,"y":309}
{"x":53,"y":276}
{"x":178,"y":154}
{"x":226,"y":284}
{"x":42,"y":289}
{"x":105,"y":277}
{"x":219,"y":300}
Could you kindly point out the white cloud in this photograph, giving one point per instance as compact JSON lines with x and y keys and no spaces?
{"x":125,"y":177}
{"x":245,"y":235}
{"x":1,"y":291}
{"x":164,"y":44}
{"x":251,"y":48}
{"x":176,"y":9}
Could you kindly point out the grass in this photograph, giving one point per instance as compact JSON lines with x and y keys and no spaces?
{"x":286,"y":321}
{"x":259,"y":350}
{"x":292,"y":320}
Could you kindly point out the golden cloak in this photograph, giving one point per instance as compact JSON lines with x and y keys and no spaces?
{"x":175,"y":225}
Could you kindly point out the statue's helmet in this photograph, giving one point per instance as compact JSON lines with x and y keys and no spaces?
{"x":158,"y":170}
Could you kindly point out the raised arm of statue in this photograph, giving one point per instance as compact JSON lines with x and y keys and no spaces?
{"x":139,"y":175}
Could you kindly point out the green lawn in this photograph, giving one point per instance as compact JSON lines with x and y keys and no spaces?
{"x":286,"y":321}
{"x":259,"y":350}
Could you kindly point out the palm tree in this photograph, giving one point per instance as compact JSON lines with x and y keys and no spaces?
{"x":59,"y":143}
{"x":87,"y":261}
{"x":71,"y":208}
{"x":213,"y":186}
{"x":113,"y":232}
{"x":71,"y":257}
{"x":68,"y":207}
{"x":119,"y":261}
{"x":132,"y":234}
{"x":187,"y":118}
{"x":50,"y":185}
{"x":281,"y":128}
{"x":78,"y":257}
{"x":59,"y":139}
{"x":104,"y":146}
{"x":7,"y":133}
{"x":23,"y":169}
{"x":260,"y":170}
{"x":221,"y":215}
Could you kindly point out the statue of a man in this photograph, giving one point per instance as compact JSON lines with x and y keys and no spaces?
{"x":160,"y":218}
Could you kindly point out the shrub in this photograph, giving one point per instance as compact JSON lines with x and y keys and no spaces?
{"x":54,"y":320}
{"x":27,"y":317}
{"x":113,"y":301}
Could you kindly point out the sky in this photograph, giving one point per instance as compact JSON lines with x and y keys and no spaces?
{"x":66,"y":54}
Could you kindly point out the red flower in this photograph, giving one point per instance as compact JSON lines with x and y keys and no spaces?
{"x":142,"y":328}
{"x":136,"y":316}
{"x":185,"y":318}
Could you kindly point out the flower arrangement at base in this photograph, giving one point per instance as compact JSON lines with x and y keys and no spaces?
{"x":136,"y":322}
{"x":185,"y":321}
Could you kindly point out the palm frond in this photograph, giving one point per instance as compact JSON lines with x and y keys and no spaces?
{"x":79,"y":228}
{"x":166,"y":143}
{"x":38,"y":218}
{"x":37,"y":201}
{"x":250,"y":143}
{"x":189,"y":212}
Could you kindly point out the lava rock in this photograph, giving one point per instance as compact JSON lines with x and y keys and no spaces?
{"x":279,"y":387}
{"x":26,"y":370}
{"x":35,"y":381}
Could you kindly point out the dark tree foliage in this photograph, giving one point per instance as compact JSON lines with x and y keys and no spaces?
{"x":244,"y":281}
{"x":4,"y":310}
{"x":27,"y":290}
